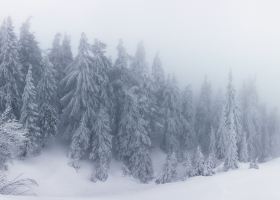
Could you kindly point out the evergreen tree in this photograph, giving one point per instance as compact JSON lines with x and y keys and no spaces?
{"x":133,"y":141}
{"x":10,"y":70}
{"x":12,"y":140}
{"x":101,"y":68}
{"x":139,"y":65}
{"x":29,"y":52}
{"x":80,"y":90}
{"x":47,"y":93}
{"x":101,"y":145}
{"x":119,"y":78}
{"x":209,"y":165}
{"x":80,"y":143}
{"x":30,"y":115}
{"x":229,"y":128}
{"x":172,"y":118}
{"x":212,"y":157}
{"x":156,"y":108}
{"x":216,"y":141}
{"x":243,"y":151}
{"x":188,"y":167}
{"x":55,"y":56}
{"x":251,"y":120}
{"x":217,"y":110}
{"x":273,"y":131}
{"x":203,"y":117}
{"x":64,"y":59}
{"x":198,"y":162}
{"x":158,"y":73}
{"x":187,"y":111}
{"x":212,"y":146}
{"x":169,"y":171}
{"x":66,"y":54}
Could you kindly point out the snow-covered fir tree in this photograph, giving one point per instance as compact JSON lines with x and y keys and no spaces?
{"x":172,"y":117}
{"x":80,"y":90}
{"x":10,"y":69}
{"x":101,"y":145}
{"x":198,"y":162}
{"x":30,"y":116}
{"x":217,"y":114}
{"x":101,"y":68}
{"x":119,"y":78}
{"x":169,"y":171}
{"x":243,"y":150}
{"x":229,"y":128}
{"x":47,"y":97}
{"x":209,"y":165}
{"x":80,"y":143}
{"x":55,"y":56}
{"x":251,"y":120}
{"x":188,"y":167}
{"x":29,"y":52}
{"x":87,"y":97}
{"x":139,"y":65}
{"x":212,"y":157}
{"x":203,"y":117}
{"x":64,"y":59}
{"x":156,"y":108}
{"x":133,"y":142}
{"x":273,"y":132}
{"x":12,"y":140}
{"x":188,"y":134}
{"x":66,"y":54}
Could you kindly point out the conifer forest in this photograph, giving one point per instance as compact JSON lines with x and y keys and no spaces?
{"x":122,"y":113}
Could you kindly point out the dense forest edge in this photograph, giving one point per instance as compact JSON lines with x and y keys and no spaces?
{"x":122,"y":109}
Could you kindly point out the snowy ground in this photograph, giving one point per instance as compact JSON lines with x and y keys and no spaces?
{"x":58,"y":181}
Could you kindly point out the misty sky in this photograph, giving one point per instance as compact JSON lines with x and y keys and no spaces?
{"x":194,"y":37}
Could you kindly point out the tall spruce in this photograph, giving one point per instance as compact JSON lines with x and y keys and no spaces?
{"x":251,"y":120}
{"x":139,"y":65}
{"x":203,"y":116}
{"x":80,"y":143}
{"x":29,"y":52}
{"x":64,"y":61}
{"x":156,"y":108}
{"x":187,"y":111}
{"x":172,"y":117}
{"x":119,"y":77}
{"x":101,"y":143}
{"x":47,"y":96}
{"x":169,"y":171}
{"x":80,"y":90}
{"x":10,"y":70}
{"x":101,"y":151}
{"x":30,"y":115}
{"x":133,"y":140}
{"x":55,"y":56}
{"x":230,"y":127}
{"x":66,"y":54}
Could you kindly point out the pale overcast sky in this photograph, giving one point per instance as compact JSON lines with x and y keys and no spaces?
{"x":194,"y":37}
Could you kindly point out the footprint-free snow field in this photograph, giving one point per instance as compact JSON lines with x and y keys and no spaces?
{"x":58,"y":181}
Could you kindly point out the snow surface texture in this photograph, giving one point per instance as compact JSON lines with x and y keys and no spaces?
{"x":58,"y":181}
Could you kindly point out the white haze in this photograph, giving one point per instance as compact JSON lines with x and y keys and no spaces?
{"x":194,"y":37}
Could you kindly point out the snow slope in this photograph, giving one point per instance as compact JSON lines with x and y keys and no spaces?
{"x":58,"y":181}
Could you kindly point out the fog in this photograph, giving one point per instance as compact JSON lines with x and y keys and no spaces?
{"x":194,"y":37}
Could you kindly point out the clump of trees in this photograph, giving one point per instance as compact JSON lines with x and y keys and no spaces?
{"x":123,"y":110}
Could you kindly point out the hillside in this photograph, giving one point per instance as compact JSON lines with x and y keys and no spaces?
{"x":58,"y":181}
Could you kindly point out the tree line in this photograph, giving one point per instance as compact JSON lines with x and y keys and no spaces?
{"x":124,"y":110}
